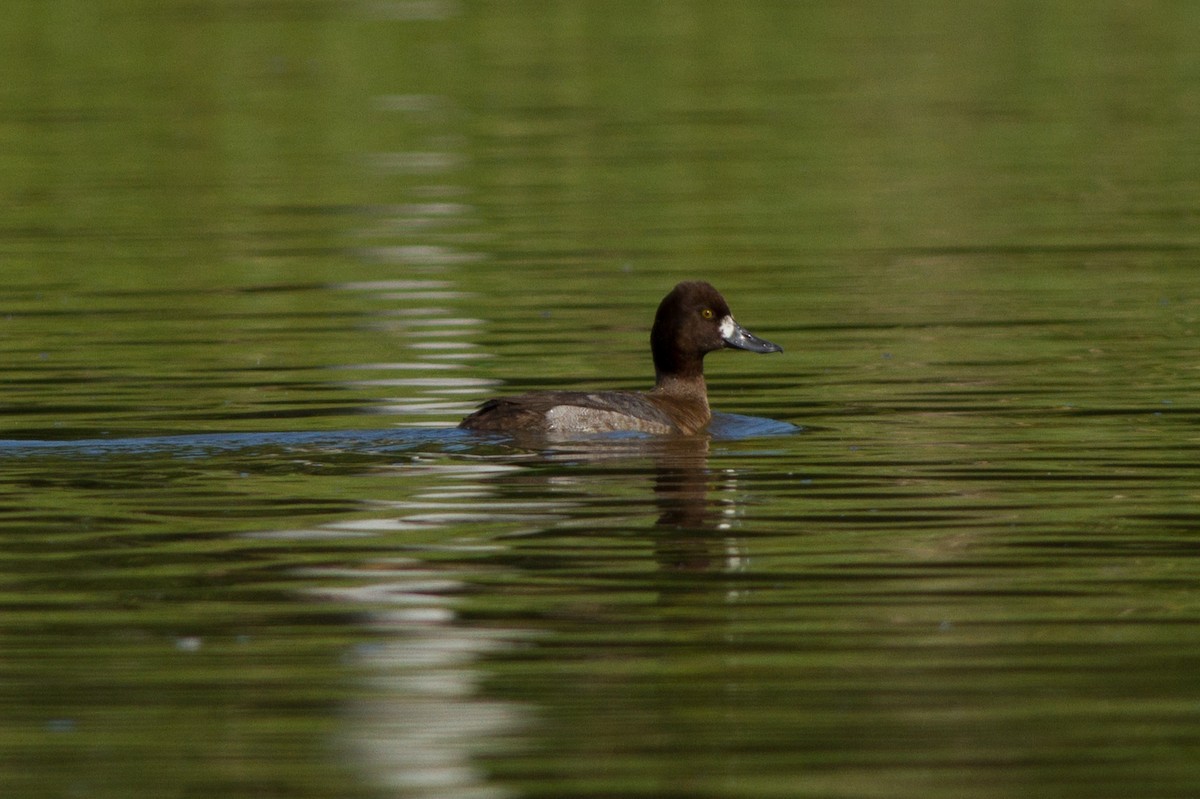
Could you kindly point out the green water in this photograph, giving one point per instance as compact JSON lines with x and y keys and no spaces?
{"x":259,"y":259}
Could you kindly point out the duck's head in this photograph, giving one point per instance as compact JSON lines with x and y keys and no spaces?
{"x":694,"y":320}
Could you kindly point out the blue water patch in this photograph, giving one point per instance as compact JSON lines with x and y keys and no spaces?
{"x":201,"y":444}
{"x":724,"y":427}
{"x":735,"y":426}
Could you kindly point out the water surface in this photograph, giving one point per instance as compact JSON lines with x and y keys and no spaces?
{"x":259,"y":260}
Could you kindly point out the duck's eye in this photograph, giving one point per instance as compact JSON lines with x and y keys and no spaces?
{"x":707,"y":313}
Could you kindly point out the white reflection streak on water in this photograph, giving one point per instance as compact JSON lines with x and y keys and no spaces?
{"x":431,"y":332}
{"x":423,"y":723}
{"x":397,"y":366}
{"x":424,"y":255}
{"x":393,"y":285}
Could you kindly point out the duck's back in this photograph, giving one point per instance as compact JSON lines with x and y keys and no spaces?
{"x":571,"y":412}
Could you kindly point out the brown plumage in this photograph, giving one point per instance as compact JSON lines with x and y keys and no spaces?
{"x":691,"y":321}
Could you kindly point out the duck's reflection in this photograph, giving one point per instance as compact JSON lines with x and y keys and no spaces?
{"x":427,"y":722}
{"x":696,"y":507}
{"x":681,"y":486}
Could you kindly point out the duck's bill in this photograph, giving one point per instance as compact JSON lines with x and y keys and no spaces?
{"x":737,"y":336}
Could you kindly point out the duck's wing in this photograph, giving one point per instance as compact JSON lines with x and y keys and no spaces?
{"x":571,"y":412}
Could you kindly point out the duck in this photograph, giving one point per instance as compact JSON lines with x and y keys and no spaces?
{"x":692,"y":321}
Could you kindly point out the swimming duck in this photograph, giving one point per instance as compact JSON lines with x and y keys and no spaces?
{"x":691,"y":321}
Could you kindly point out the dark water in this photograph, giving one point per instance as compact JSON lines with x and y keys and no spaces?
{"x":259,"y":258}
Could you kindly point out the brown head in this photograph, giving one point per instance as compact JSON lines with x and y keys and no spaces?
{"x":692,"y":321}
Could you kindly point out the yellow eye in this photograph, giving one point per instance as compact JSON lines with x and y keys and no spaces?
{"x":707,"y":313}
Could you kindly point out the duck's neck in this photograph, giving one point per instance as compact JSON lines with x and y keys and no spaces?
{"x":685,"y":399}
{"x":691,"y":388}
